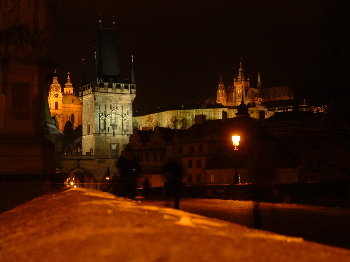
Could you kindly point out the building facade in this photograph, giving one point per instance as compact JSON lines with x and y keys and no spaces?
{"x":107,"y":110}
{"x":64,"y":105}
{"x":233,"y":94}
{"x":184,"y":117}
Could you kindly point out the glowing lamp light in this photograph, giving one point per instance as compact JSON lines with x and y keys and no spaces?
{"x":235,"y":141}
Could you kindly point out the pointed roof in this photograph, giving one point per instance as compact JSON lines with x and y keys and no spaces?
{"x":68,"y":89}
{"x":241,"y":71}
{"x":132,"y":70}
{"x":107,"y":63}
{"x":55,"y":87}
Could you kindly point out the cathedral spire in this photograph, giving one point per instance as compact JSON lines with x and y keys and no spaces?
{"x":221,"y":96}
{"x":258,"y":85}
{"x":241,"y":71}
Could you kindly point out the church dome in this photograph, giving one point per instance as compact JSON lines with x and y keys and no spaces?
{"x":71,"y":99}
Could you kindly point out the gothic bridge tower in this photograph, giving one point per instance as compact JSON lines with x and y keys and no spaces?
{"x":107,"y":102}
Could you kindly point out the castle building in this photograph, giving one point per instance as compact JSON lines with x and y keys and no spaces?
{"x":233,"y":94}
{"x":107,"y":110}
{"x":64,"y":106}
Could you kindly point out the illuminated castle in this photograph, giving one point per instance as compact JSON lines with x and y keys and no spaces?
{"x":64,"y":106}
{"x":233,"y":94}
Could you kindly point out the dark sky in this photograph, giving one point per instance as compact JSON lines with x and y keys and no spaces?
{"x":181,"y":47}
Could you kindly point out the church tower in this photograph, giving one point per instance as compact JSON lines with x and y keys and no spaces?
{"x":64,"y":106}
{"x":107,"y":102}
{"x":55,"y":100}
{"x":221,"y":93}
{"x":241,"y":86}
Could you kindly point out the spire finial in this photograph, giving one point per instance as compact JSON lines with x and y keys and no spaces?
{"x":132,"y":69}
{"x":68,"y":78}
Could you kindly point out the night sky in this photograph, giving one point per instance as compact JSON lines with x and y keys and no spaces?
{"x":181,"y":47}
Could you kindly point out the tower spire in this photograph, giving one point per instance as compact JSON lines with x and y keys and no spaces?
{"x":83,"y":72}
{"x":241,"y":71}
{"x":68,"y":88}
{"x":258,"y":85}
{"x":132,"y":70}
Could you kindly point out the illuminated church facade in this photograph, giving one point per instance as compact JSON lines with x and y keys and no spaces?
{"x":64,"y":105}
{"x":233,"y":94}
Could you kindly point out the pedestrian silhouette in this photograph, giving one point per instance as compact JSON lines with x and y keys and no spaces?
{"x":129,"y":169}
{"x":173,"y":172}
{"x":145,"y":187}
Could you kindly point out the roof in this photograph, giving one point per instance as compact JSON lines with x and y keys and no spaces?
{"x":71,"y":99}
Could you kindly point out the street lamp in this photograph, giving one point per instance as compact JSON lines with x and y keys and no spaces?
{"x":235,"y":142}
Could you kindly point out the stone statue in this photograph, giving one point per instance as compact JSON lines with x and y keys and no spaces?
{"x":25,"y":26}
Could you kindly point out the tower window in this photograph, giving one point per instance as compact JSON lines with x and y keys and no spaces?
{"x":56,"y":105}
{"x":114,"y":150}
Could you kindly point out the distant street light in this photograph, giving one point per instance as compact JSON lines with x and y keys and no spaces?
{"x":235,"y":141}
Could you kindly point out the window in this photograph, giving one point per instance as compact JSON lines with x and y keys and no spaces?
{"x":198,"y":178}
{"x":56,"y":105}
{"x":114,"y":150}
{"x":72,"y":118}
{"x":191,"y":149}
{"x":189,"y":178}
{"x":181,"y":150}
{"x":147,"y":157}
{"x":189,"y":163}
{"x":88,"y":128}
{"x":198,"y":163}
{"x":155,"y":157}
{"x":200,"y":149}
{"x":212,"y":178}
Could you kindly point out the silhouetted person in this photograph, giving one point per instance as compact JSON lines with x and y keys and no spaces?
{"x":173,"y":171}
{"x":145,"y":187}
{"x":129,"y":169}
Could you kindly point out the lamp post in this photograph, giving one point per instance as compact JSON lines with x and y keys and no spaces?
{"x":235,"y":142}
